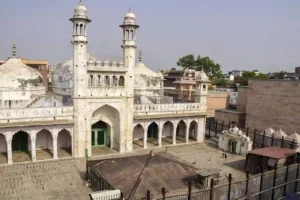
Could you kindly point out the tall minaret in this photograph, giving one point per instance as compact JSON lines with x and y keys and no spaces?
{"x":80,"y":22}
{"x":129,"y":27}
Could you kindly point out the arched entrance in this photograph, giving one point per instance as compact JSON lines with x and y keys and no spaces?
{"x":44,"y":145}
{"x":20,"y":147}
{"x":193,"y":129}
{"x":105,"y":130}
{"x":100,"y":134}
{"x":180,"y":131}
{"x":64,"y":144}
{"x":152,"y":133}
{"x":3,"y":149}
{"x":232,"y":146}
{"x":138,"y":136}
{"x":167,"y":133}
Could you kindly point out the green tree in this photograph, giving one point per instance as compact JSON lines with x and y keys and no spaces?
{"x":206,"y":64}
{"x":262,"y":76}
{"x":280,"y":75}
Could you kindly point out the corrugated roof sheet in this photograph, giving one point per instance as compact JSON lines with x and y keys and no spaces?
{"x":274,"y":152}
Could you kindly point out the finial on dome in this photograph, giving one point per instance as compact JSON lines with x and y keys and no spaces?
{"x":14,"y":50}
{"x":140,"y":56}
{"x":129,"y":10}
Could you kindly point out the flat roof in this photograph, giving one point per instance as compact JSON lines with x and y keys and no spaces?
{"x":274,"y":152}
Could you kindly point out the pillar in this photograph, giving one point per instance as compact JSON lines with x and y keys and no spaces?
{"x":145,"y":138}
{"x":201,"y":129}
{"x":33,"y":148}
{"x":174,"y":134}
{"x":54,"y":146}
{"x":187,"y":132}
{"x":9,"y":151}
{"x":159,"y":134}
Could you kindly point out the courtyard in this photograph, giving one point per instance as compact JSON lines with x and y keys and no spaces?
{"x":64,"y":179}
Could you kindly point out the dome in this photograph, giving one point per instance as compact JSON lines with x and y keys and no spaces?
{"x":91,"y":62}
{"x":269,"y":131}
{"x":15,"y":74}
{"x":280,"y":134}
{"x":106,"y":63}
{"x":114,"y":63}
{"x":130,"y":14}
{"x":80,"y":10}
{"x":240,"y":132}
{"x":121,"y":63}
{"x":98,"y":63}
{"x":129,"y":18}
{"x":202,"y":76}
{"x":295,"y":136}
{"x":235,"y":129}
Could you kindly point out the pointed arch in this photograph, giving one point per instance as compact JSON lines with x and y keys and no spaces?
{"x":64,"y":143}
{"x":121,"y":81}
{"x":181,"y":128}
{"x":3,"y":149}
{"x":193,"y":130}
{"x":138,"y":132}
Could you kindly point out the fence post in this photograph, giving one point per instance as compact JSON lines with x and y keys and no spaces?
{"x":247,"y":133}
{"x":216,"y":128}
{"x":148,"y":195}
{"x":263,"y":140}
{"x":209,"y":126}
{"x":261,"y":185}
{"x":254,"y":139}
{"x":282,"y":140}
{"x":247,"y":183}
{"x":286,"y":179}
{"x":163,"y":191}
{"x":122,"y":196}
{"x":293,"y":143}
{"x":272,"y":141}
{"x":229,"y":186}
{"x":274,"y":181}
{"x":223,"y":126}
{"x":190,"y":191}
{"x":297,"y":174}
{"x":211,"y":189}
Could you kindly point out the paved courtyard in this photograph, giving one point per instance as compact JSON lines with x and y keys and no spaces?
{"x":63,"y":179}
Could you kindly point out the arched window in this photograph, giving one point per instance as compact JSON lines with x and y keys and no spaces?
{"x":99,"y":80}
{"x":114,"y":81}
{"x":121,"y":81}
{"x":131,"y":35}
{"x":76,"y":30}
{"x":91,"y":80}
{"x":107,"y":81}
{"x":81,"y":29}
{"x":127,"y":34}
{"x":204,"y":87}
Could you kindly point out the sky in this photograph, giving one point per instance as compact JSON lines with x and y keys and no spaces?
{"x":244,"y":35}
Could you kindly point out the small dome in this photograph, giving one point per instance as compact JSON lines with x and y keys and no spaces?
{"x":240,"y":132}
{"x":80,"y":7}
{"x":280,"y":134}
{"x":294,"y":136}
{"x":202,"y":76}
{"x":248,"y":139}
{"x":121,"y":63}
{"x":114,"y":63}
{"x":235,"y":129}
{"x":98,"y":63}
{"x":106,"y":63}
{"x":91,"y":62}
{"x":130,"y":14}
{"x":269,"y":131}
{"x":129,"y":18}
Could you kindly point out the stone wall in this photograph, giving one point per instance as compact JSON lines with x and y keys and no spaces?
{"x":232,"y":116}
{"x":241,"y":102}
{"x":216,"y":101}
{"x":274,"y":103}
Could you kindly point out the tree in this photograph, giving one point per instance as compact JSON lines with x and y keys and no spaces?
{"x":206,"y":64}
{"x":262,"y":76}
{"x":280,"y":75}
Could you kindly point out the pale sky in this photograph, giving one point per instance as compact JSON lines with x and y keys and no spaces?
{"x":245,"y":35}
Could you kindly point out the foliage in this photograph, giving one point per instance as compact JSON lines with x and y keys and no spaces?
{"x":210,"y":87}
{"x":243,"y":80}
{"x":206,"y":64}
{"x":280,"y":75}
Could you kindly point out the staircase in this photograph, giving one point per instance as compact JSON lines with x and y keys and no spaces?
{"x":34,"y":101}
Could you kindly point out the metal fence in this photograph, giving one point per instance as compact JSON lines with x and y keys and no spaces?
{"x":260,"y":140}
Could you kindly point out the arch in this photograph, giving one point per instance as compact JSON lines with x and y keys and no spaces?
{"x":152,"y":131}
{"x":77,"y":29}
{"x":81,"y":29}
{"x":193,"y":130}
{"x":99,"y":80}
{"x":111,"y":117}
{"x":131,"y":35}
{"x":107,"y":80}
{"x":20,"y":141}
{"x":127,"y":35}
{"x":167,"y":130}
{"x":91,"y":80}
{"x":121,"y":81}
{"x":138,"y":132}
{"x":64,"y":143}
{"x":181,"y":128}
{"x":114,"y":81}
{"x":3,"y":149}
{"x":232,"y":145}
{"x":44,"y":144}
{"x":204,"y":87}
{"x":101,"y":134}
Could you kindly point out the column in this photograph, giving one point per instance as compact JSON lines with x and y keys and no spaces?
{"x":201,"y":129}
{"x":33,"y":148}
{"x":187,"y":132}
{"x":174,"y":134}
{"x":54,"y":146}
{"x":145,"y":138}
{"x":159,"y":135}
{"x":9,"y":152}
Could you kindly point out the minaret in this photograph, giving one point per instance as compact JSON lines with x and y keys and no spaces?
{"x":202,"y":82}
{"x":80,"y":21}
{"x":14,"y":50}
{"x":80,"y":79}
{"x":129,"y":27}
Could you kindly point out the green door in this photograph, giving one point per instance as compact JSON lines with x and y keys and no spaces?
{"x":20,"y":142}
{"x":99,"y":137}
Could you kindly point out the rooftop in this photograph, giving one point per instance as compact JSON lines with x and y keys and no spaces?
{"x":274,"y":152}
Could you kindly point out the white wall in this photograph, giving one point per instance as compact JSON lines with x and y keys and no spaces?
{"x":44,"y":140}
{"x":138,"y":132}
{"x":2,"y":143}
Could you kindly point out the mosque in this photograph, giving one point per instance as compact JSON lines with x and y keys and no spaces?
{"x":117,"y":105}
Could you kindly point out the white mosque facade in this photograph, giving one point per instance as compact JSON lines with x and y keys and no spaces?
{"x":113,"y":104}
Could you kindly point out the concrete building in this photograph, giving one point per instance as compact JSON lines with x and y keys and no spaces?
{"x":235,"y":73}
{"x":228,"y":77}
{"x":92,"y":105}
